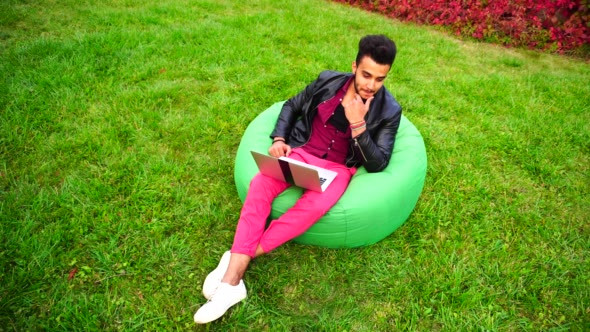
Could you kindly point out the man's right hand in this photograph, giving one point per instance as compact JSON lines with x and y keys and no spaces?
{"x":279,"y":149}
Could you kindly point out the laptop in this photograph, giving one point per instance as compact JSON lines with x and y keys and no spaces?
{"x":294,"y":172}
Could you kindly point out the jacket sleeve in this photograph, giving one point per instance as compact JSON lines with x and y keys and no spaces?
{"x":291,"y":111}
{"x":374,"y":150}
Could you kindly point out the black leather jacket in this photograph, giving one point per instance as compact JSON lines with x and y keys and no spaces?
{"x":372,"y":148}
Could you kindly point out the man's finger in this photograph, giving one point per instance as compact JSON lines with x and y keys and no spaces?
{"x":275,"y":151}
{"x":368,"y":103}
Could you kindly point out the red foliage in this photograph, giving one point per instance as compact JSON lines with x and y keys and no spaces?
{"x":560,"y":25}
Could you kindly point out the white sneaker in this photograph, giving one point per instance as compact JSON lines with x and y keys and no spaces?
{"x":213,"y":279}
{"x":224,"y":298}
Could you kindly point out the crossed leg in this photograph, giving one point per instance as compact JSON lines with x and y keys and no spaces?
{"x":252,"y":239}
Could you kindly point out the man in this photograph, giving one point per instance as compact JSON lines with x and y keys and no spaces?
{"x":338,"y":122}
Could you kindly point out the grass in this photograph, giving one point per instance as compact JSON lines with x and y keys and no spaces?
{"x":119,"y":123}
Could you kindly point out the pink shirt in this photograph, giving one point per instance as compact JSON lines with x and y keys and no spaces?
{"x":326,"y":141}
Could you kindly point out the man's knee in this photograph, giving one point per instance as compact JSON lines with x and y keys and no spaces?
{"x":267,"y":186}
{"x":261,"y":181}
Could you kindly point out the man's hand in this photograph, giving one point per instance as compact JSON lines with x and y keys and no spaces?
{"x":355,"y":110}
{"x":279,"y":149}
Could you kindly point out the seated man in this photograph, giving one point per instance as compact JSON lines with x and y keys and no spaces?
{"x":338,"y":122}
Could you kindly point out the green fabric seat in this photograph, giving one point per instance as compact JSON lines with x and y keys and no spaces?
{"x":373,"y":206}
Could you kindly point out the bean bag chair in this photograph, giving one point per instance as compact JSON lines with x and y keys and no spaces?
{"x":373,"y":206}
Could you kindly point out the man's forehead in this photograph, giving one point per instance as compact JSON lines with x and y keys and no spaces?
{"x":370,"y":66}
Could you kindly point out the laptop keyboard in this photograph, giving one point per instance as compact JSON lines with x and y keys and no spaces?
{"x":322,"y":180}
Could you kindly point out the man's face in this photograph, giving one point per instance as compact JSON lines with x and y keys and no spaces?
{"x":368,"y":76}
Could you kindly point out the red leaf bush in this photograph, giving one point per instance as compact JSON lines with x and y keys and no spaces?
{"x":555,"y":25}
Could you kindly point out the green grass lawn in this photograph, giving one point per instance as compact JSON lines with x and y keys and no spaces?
{"x":119,"y":124}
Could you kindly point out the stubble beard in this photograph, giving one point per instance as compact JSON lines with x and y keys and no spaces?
{"x":356,"y":89}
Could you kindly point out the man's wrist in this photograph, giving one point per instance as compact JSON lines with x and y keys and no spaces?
{"x":359,"y":125}
{"x":357,"y":132}
{"x":278,"y":139}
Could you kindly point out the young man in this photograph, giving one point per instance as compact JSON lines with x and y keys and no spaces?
{"x":339,"y":122}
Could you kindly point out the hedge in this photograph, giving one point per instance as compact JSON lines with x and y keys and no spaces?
{"x":555,"y":25}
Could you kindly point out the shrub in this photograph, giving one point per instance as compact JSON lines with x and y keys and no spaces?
{"x":556,"y":25}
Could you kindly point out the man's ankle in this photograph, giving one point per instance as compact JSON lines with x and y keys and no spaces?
{"x":259,"y":251}
{"x":233,"y":280}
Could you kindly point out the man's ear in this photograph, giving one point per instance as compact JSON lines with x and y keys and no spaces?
{"x":354,"y":67}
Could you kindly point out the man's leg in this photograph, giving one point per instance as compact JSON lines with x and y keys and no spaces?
{"x":230,"y":289}
{"x":307,"y":211}
{"x":238,"y":264}
{"x":250,"y":228}
{"x":255,"y":211}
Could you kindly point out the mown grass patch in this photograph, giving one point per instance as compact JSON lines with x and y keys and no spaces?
{"x":119,"y":123}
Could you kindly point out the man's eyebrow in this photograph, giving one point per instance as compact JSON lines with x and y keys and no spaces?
{"x":370,"y":74}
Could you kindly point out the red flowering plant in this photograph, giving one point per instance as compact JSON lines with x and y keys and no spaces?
{"x":556,"y":25}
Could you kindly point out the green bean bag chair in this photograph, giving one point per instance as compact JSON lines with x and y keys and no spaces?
{"x":373,"y":206}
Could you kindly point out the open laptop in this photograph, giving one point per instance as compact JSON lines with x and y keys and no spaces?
{"x":294,"y":172}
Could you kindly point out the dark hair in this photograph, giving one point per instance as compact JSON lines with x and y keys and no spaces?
{"x":378,"y":47}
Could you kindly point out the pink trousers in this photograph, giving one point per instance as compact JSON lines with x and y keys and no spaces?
{"x":312,"y":205}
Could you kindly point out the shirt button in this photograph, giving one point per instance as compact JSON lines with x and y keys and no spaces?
{"x":332,"y":141}
{"x":325,"y":126}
